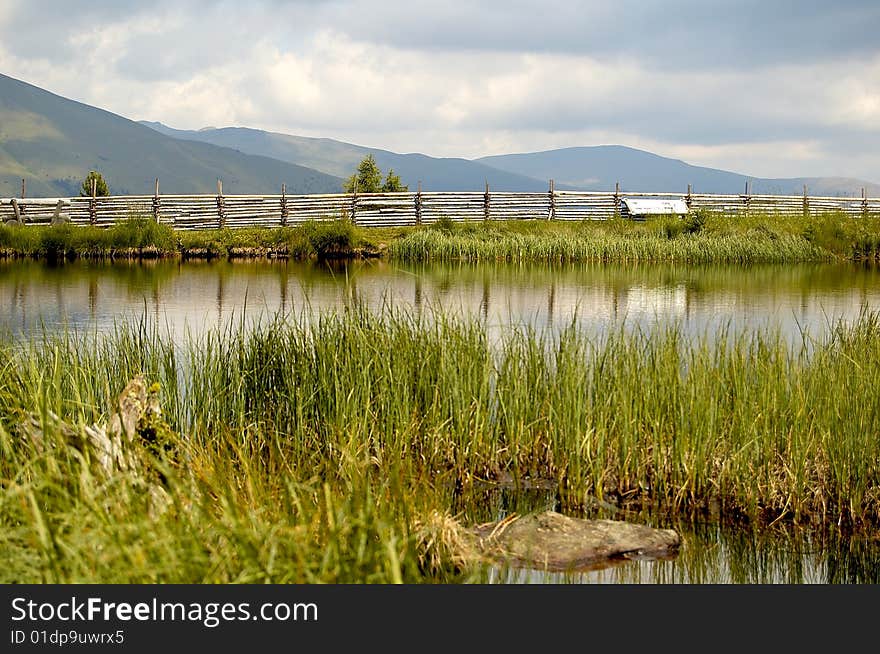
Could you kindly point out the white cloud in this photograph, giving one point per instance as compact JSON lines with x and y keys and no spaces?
{"x":340,"y":70}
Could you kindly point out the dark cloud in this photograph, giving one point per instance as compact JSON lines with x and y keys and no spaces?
{"x":689,"y":34}
{"x":40,"y":29}
{"x":684,"y":34}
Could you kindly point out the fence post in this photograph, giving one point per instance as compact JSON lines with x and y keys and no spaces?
{"x":687,"y":198}
{"x":221,"y":215}
{"x":552,"y":213}
{"x":747,"y":198}
{"x":354,"y":201}
{"x":486,"y":202}
{"x":419,"y":204}
{"x":806,"y":202}
{"x":156,"y":201}
{"x":864,"y":203}
{"x":23,"y":188}
{"x":284,"y":210}
{"x":93,"y":203}
{"x":17,"y":210}
{"x":617,"y":199}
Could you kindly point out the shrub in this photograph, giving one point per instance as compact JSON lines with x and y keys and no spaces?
{"x":139,"y":233}
{"x":331,"y":239}
{"x":444,"y":224}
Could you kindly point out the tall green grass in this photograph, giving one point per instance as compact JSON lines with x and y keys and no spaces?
{"x":319,"y":239}
{"x":700,"y":238}
{"x":138,"y":236}
{"x":318,"y":451}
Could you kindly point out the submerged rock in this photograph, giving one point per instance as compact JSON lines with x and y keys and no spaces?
{"x":552,"y":541}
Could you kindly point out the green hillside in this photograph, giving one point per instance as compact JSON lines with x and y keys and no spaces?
{"x":53,"y":142}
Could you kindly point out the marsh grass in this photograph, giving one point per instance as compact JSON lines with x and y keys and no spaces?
{"x":131,"y":237}
{"x":698,"y":238}
{"x":333,"y":450}
{"x":138,"y":237}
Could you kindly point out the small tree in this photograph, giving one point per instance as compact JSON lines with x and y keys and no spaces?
{"x":392,"y":183}
{"x":101,"y":188}
{"x":368,"y":179}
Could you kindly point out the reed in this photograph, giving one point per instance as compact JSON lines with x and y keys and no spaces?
{"x":132,"y":237}
{"x":699,"y":238}
{"x":319,"y":450}
{"x":140,"y":237}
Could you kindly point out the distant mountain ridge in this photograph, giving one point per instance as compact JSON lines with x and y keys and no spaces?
{"x":340,"y":158}
{"x":590,"y":168}
{"x":53,"y":142}
{"x":600,"y":167}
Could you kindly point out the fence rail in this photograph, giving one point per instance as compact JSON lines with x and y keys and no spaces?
{"x":394,"y":209}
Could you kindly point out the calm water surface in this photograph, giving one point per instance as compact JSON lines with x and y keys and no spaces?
{"x":199,"y":296}
{"x":794,"y":299}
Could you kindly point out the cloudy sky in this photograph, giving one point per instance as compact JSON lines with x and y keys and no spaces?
{"x":771,"y":89}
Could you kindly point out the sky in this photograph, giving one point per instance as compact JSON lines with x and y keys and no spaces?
{"x":763,"y":88}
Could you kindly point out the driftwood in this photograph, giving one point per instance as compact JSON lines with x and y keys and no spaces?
{"x":552,"y":541}
{"x":546,"y":541}
{"x":16,"y":212}
{"x":126,"y":446}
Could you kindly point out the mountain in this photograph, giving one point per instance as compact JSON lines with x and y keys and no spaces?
{"x":599,"y":167}
{"x":587,"y":168}
{"x":53,"y":142}
{"x":340,"y":158}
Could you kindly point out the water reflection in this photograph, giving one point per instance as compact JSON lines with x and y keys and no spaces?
{"x":596,"y":297}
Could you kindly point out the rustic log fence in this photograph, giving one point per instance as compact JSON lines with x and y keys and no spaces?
{"x":396,"y":209}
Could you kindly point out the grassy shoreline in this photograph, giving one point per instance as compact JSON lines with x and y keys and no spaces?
{"x":701,"y":238}
{"x":334,"y":450}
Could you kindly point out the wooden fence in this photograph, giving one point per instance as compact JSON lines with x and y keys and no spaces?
{"x":394,"y":209}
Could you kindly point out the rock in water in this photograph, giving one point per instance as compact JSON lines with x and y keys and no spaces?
{"x":552,"y":541}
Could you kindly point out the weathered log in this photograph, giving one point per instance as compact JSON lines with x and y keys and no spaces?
{"x":126,"y":445}
{"x":552,"y":541}
{"x":547,"y":541}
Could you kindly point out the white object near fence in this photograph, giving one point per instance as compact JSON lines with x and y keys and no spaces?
{"x":633,"y":207}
